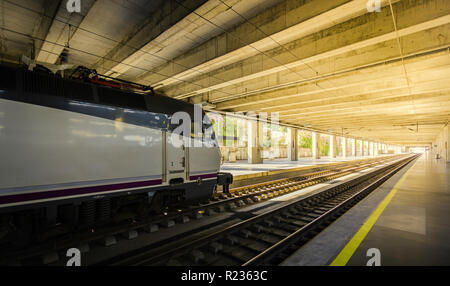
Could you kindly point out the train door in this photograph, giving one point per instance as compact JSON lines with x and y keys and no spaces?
{"x":175,"y":158}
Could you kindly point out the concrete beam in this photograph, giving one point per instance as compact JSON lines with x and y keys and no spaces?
{"x":350,"y":36}
{"x":283,"y":22}
{"x":418,"y":114}
{"x":351,"y":89}
{"x":386,"y":77}
{"x":148,"y":37}
{"x":402,"y":101}
{"x":41,"y":31}
{"x":58,"y":34}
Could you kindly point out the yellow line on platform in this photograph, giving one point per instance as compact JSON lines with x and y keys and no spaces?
{"x":346,"y":253}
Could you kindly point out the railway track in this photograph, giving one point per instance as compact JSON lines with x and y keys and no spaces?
{"x":50,"y":251}
{"x":268,"y":238}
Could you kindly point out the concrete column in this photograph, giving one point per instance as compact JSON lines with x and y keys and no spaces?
{"x":354,"y":147}
{"x":315,"y":145}
{"x":344,"y":147}
{"x":371,"y":151}
{"x":332,"y":146}
{"x":293,"y":144}
{"x":232,"y":148}
{"x":447,"y":142}
{"x":375,"y":148}
{"x":361,"y":147}
{"x":274,"y":151}
{"x":255,"y":134}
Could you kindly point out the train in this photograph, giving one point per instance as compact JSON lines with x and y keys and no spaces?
{"x":84,"y":152}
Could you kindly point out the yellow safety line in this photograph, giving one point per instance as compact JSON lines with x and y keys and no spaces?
{"x":346,"y":253}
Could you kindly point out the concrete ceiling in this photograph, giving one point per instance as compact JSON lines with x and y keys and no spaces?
{"x":328,"y":65}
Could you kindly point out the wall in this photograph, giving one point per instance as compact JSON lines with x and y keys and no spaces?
{"x":441,"y":144}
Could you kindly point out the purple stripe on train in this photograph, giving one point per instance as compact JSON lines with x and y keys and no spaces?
{"x":75,"y":191}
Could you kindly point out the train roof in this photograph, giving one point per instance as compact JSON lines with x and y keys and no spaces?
{"x":32,"y":82}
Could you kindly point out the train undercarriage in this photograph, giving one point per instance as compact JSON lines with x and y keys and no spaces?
{"x":23,"y":226}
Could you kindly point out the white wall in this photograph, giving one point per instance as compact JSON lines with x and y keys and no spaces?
{"x":441,"y":144}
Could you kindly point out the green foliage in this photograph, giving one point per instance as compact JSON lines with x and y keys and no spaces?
{"x":267,"y":139}
{"x":324,"y":148}
{"x":305,"y":142}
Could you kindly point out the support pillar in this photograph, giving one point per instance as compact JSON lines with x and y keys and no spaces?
{"x":447,"y":143}
{"x":332,"y":146}
{"x":255,"y":134}
{"x":344,"y":147}
{"x":361,"y":148}
{"x":315,"y":145}
{"x":232,"y":148}
{"x":293,"y":144}
{"x":354,"y":147}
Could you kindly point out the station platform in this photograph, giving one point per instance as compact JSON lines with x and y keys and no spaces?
{"x":242,"y":169}
{"x":405,"y":219}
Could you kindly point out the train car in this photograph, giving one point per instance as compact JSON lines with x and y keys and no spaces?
{"x":78,"y":153}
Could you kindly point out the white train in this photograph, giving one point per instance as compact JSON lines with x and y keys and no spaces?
{"x":79,"y":153}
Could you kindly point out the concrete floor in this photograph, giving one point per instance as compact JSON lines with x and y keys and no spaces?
{"x":243,"y":168}
{"x":413,"y":229}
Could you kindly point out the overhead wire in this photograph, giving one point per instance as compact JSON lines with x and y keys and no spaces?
{"x":394,"y":20}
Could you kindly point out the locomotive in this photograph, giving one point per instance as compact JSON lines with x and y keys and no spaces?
{"x":85,"y":151}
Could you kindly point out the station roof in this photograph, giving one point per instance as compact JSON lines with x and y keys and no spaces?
{"x":331,"y":66}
